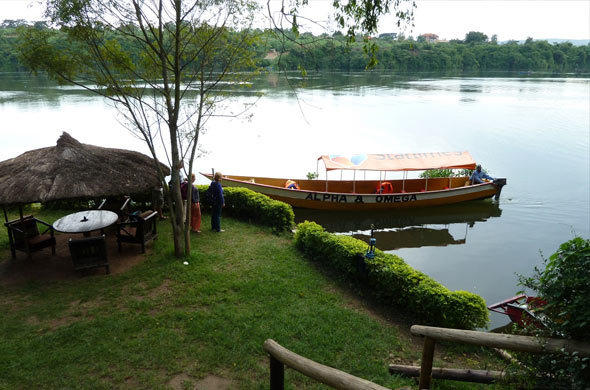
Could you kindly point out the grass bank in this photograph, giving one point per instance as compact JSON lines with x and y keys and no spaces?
{"x":165,"y":324}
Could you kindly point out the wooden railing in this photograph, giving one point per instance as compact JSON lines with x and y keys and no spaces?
{"x":494,"y":340}
{"x":280,"y":356}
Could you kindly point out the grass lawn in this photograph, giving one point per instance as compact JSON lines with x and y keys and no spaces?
{"x":164,"y":324}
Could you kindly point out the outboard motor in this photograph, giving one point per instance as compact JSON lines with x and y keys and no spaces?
{"x":499,"y":183}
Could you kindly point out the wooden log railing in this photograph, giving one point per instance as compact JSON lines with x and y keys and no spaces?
{"x":281,"y":356}
{"x":495,"y":340}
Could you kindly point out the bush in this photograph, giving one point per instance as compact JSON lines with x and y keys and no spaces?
{"x":565,"y":285}
{"x":448,"y":173}
{"x":393,"y":281}
{"x":245,"y":204}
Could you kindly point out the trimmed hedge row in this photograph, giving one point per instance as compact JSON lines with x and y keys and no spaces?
{"x":392,"y":280}
{"x":245,"y":204}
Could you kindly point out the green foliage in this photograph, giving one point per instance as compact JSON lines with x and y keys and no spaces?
{"x":447,"y":173}
{"x":393,"y":281}
{"x":247,"y":205}
{"x":312,"y":175}
{"x":335,"y":53}
{"x":437,"y":173}
{"x":475,"y":37}
{"x":565,"y":285}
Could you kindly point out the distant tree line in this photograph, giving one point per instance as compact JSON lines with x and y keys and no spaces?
{"x":474,"y":53}
{"x":396,"y":53}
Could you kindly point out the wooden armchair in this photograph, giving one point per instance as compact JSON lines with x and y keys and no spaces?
{"x":89,"y":252}
{"x":139,"y":229}
{"x":24,"y":235}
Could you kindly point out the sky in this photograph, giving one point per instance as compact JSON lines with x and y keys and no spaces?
{"x":449,"y":19}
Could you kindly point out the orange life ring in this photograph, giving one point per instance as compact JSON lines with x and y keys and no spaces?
{"x":385,"y":188}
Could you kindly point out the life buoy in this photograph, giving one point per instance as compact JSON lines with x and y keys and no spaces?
{"x":292,"y":185}
{"x":385,"y":188}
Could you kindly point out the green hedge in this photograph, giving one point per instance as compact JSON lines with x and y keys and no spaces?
{"x":393,"y":281}
{"x":245,"y":204}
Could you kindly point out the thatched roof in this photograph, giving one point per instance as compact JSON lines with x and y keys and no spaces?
{"x":72,"y":170}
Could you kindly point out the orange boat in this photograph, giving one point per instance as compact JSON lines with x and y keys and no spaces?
{"x":376,"y":194}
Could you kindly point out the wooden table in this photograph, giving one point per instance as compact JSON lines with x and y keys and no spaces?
{"x":85,"y":221}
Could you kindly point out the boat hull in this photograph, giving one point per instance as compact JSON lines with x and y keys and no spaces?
{"x":322,"y":200}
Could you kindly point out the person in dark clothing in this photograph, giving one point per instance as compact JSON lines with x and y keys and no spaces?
{"x":218,"y":202}
{"x":478,"y":176}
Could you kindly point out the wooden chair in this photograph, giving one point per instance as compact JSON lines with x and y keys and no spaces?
{"x":24,"y":235}
{"x":89,"y":252}
{"x":139,"y":229}
{"x":122,"y":211}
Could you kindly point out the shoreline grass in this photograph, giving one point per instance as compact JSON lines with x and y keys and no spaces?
{"x":164,"y":323}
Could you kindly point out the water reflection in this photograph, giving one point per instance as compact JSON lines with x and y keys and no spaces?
{"x":349,"y":221}
{"x":412,"y":237}
{"x":407,"y":228}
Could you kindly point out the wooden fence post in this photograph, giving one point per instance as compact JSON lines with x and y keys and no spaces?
{"x":277,"y":374}
{"x":426,"y":368}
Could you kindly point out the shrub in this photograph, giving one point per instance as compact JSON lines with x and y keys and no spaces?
{"x":245,"y":204}
{"x":565,"y":285}
{"x":448,"y":173}
{"x":393,"y":281}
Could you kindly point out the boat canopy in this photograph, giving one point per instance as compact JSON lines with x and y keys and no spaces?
{"x":399,"y":162}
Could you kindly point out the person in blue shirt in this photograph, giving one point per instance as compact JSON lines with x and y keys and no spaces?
{"x":218,"y":202}
{"x":478,"y":175}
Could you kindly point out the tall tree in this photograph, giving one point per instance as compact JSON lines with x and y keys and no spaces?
{"x":159,"y":61}
{"x":475,"y":37}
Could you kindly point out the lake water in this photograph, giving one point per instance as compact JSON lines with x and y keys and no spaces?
{"x":535,"y":131}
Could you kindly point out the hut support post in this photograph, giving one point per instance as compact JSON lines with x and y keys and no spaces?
{"x":20,"y":211}
{"x":10,"y":239}
{"x":326,"y":180}
{"x":317,"y":167}
{"x":354,"y":182}
{"x":426,"y":183}
{"x":426,"y":368}
{"x":277,"y":374}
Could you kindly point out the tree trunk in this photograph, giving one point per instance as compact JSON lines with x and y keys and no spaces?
{"x":175,"y":205}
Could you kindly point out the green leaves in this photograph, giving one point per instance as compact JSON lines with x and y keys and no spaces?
{"x":565,"y":285}
{"x":244,"y":204}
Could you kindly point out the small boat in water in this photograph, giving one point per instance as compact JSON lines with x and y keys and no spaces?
{"x":376,"y":194}
{"x":521,"y":310}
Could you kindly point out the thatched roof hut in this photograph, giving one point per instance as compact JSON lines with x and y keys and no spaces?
{"x":73,"y":170}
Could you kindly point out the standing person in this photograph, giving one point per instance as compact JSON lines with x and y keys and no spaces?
{"x":217,"y":201}
{"x":477,"y":176}
{"x":195,"y":204}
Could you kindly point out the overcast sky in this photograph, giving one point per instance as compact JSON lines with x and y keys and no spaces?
{"x":509,"y":19}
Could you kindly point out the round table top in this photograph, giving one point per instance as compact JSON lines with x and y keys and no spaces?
{"x":85,"y":221}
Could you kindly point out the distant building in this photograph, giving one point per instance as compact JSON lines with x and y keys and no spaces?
{"x":429,"y":37}
{"x":271,"y":55}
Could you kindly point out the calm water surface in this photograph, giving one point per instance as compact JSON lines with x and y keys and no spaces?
{"x":534,"y":131}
